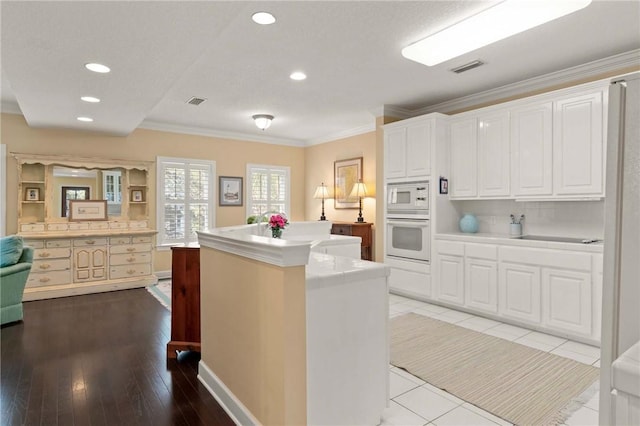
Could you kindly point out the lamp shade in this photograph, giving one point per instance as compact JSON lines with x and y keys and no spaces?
{"x":263,"y":121}
{"x":359,"y":190}
{"x":321,"y":192}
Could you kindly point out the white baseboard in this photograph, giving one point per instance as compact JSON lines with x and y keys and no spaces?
{"x":163,"y":275}
{"x":227,"y":400}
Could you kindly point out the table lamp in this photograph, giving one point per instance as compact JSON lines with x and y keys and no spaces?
{"x":359,"y":191}
{"x":321,"y":193}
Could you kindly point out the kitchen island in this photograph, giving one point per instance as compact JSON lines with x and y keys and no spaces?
{"x":291,"y":334}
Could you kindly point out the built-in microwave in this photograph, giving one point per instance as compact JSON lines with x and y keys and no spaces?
{"x":408,"y":199}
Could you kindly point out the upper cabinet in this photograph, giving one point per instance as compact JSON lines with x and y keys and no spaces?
{"x":408,"y":147}
{"x":546,"y":147}
{"x":48,"y":184}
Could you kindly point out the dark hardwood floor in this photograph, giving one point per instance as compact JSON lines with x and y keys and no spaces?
{"x":99,"y":360}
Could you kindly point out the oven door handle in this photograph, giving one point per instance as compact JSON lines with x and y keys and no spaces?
{"x":423,"y":223}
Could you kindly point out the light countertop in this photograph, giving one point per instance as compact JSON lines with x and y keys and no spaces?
{"x":506,"y":239}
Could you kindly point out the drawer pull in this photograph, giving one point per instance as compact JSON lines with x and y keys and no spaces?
{"x":131,"y":259}
{"x":45,"y":279}
{"x":130,"y":249}
{"x":131,"y":271}
{"x":45,"y":266}
{"x":44,"y":254}
{"x":90,"y":242}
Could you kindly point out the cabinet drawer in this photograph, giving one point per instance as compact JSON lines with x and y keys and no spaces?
{"x":78,"y":226}
{"x":98,"y":225}
{"x":341,"y":229}
{"x":32,"y":227}
{"x":450,"y":247}
{"x":141,"y":239}
{"x":49,"y":278}
{"x":87,"y":242}
{"x":129,"y":259}
{"x":57,"y":226}
{"x":53,"y":253}
{"x":481,"y":251}
{"x":120,"y":240}
{"x":58,"y":243}
{"x":127,"y":271}
{"x":545,"y":257}
{"x":51,"y":265}
{"x":118,"y":225}
{"x":130,"y":248}
{"x":138,"y":224}
{"x":36,"y":244}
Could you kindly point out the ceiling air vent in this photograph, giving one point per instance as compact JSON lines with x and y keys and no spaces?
{"x":467,"y":67}
{"x":196,"y":101}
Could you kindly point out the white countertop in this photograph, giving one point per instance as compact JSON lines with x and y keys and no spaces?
{"x":626,"y":371}
{"x":325,"y":270}
{"x":506,"y":239}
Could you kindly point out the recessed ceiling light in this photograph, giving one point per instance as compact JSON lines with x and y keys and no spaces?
{"x":503,"y":20}
{"x":298,"y":75}
{"x":97,"y":68}
{"x":86,"y":119}
{"x":90,"y":99}
{"x":263,"y":18}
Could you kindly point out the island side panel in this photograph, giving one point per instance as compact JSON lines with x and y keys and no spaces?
{"x":254,"y":334}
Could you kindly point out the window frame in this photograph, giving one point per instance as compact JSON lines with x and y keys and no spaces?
{"x":162,"y":242}
{"x":249,"y":186}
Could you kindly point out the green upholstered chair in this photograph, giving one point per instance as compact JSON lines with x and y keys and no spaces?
{"x":13,"y":279}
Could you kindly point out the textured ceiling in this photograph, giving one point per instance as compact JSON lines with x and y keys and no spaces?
{"x":163,"y":53}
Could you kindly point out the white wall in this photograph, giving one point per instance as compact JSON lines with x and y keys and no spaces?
{"x":580,"y":219}
{"x":3,"y":189}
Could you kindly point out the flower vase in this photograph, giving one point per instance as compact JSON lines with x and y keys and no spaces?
{"x":276,"y":233}
{"x":469,"y":223}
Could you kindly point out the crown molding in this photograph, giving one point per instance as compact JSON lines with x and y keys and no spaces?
{"x":397,"y":112}
{"x":568,"y":75}
{"x":199,"y":131}
{"x":341,"y":135}
{"x":10,"y":108}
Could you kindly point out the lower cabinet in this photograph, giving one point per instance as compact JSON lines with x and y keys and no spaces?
{"x":519,"y":290}
{"x":567,"y":300}
{"x":90,"y":263}
{"x":451,"y":270}
{"x":481,"y":284}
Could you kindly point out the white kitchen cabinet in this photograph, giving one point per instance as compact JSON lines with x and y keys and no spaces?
{"x":450,"y":270}
{"x":567,"y":300}
{"x":531,"y":150}
{"x":395,"y":152}
{"x":519,"y":292}
{"x":493,"y":152}
{"x":464,"y":161}
{"x":578,"y":145}
{"x":408,"y":148}
{"x":481,"y":284}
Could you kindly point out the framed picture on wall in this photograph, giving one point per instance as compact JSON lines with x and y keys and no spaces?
{"x":87,"y":210}
{"x":230,"y":191}
{"x":346,"y":173}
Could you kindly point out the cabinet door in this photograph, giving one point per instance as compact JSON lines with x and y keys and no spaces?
{"x":481,"y":284}
{"x":531,"y":150}
{"x":419,"y":149}
{"x":519,"y":292}
{"x":463,"y":159}
{"x":578,"y":149}
{"x":395,"y":153}
{"x":567,"y":300}
{"x":451,"y":279}
{"x":493,"y":155}
{"x":90,"y":264}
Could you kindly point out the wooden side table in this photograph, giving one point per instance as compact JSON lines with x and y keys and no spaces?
{"x":185,"y":300}
{"x":356,"y":229}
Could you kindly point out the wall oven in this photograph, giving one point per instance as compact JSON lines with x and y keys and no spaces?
{"x":408,"y":199}
{"x":408,"y":238}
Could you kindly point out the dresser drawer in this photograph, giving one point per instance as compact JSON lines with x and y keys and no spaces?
{"x":32,"y":227}
{"x":51,"y":265}
{"x":88,"y":242}
{"x":130,"y":259}
{"x":118,"y":225}
{"x":341,"y":229}
{"x":57,"y":226}
{"x":98,"y":225}
{"x":138,"y":224}
{"x":78,"y":226}
{"x":36,"y":244}
{"x":48,"y":278}
{"x":57,"y":243}
{"x":130,"y":248}
{"x":141,"y":239}
{"x":128,"y":271}
{"x":120,"y":240}
{"x":53,"y":253}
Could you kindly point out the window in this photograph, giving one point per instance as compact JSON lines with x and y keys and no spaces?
{"x":268,"y":189}
{"x":185,"y":199}
{"x":111,"y":187}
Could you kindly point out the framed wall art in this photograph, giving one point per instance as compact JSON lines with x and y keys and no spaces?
{"x":81,"y":210}
{"x":346,"y":173}
{"x":136,"y":196}
{"x":230,"y":191}
{"x":32,"y":194}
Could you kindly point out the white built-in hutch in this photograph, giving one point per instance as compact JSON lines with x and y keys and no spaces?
{"x":77,"y":252}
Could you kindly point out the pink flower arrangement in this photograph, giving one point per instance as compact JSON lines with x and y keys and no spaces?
{"x":278,"y":222}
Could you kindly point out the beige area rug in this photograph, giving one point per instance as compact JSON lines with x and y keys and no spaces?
{"x":522,"y":385}
{"x":162,"y":292}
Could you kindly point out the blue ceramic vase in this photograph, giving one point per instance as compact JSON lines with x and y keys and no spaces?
{"x":469,"y":223}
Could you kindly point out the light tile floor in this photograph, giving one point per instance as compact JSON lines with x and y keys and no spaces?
{"x":415,"y":402}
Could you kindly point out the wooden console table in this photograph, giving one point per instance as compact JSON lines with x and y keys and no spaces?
{"x":356,"y":229}
{"x":185,"y":300}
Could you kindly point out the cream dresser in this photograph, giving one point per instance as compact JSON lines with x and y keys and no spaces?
{"x":74,"y":257}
